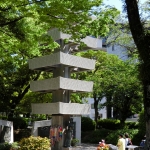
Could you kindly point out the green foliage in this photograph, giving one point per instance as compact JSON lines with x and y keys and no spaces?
{"x":94,"y":136}
{"x":110,"y":129}
{"x":24,"y":31}
{"x":5,"y":146}
{"x":120,"y":35}
{"x":21,"y":133}
{"x":19,"y":123}
{"x":132,"y":125}
{"x":74,"y":142}
{"x":110,"y":136}
{"x":3,"y":117}
{"x":113,"y":124}
{"x":117,"y":80}
{"x":142,"y":123}
{"x":14,"y":145}
{"x":34,"y":143}
{"x":110,"y":124}
{"x":113,"y":136}
{"x":87,"y":124}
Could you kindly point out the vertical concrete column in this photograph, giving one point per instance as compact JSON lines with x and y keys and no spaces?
{"x":63,"y":71}
{"x":61,"y":96}
{"x":61,"y":120}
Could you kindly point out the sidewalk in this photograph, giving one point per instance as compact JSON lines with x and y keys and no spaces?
{"x":85,"y":147}
{"x":89,"y":146}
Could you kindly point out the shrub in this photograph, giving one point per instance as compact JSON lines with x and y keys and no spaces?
{"x":14,"y":146}
{"x":94,"y":136}
{"x":87,"y":124}
{"x":19,"y":123}
{"x":74,"y":142}
{"x":3,"y":118}
{"x":110,"y":124}
{"x":112,"y":138}
{"x":34,"y":143}
{"x":5,"y":146}
{"x":131,"y":125}
{"x":21,"y":133}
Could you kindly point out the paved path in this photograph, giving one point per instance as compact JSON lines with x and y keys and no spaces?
{"x":88,"y":146}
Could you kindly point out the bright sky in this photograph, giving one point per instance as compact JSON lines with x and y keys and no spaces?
{"x":117,"y":3}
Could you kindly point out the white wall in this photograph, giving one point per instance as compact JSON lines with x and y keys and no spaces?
{"x":119,"y":51}
{"x":77,"y":119}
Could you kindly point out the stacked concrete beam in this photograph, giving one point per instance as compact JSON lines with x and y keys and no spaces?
{"x":62,"y":64}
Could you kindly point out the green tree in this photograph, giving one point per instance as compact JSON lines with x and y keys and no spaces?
{"x":116,"y":80}
{"x":141,"y":36}
{"x":121,"y":36}
{"x":24,"y":26}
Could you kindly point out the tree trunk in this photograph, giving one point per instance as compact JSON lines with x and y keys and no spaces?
{"x":108,"y":98}
{"x":147,"y":111}
{"x":141,"y":39}
{"x":96,"y":109}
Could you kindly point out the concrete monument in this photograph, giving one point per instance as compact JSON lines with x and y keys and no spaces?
{"x":62,"y":63}
{"x":6,"y":131}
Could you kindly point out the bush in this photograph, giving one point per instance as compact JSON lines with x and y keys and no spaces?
{"x":94,"y":136}
{"x":3,"y":118}
{"x":21,"y":133}
{"x":110,"y":124}
{"x":19,"y":123}
{"x":14,"y":146}
{"x":131,"y":125}
{"x":34,"y":143}
{"x":112,"y":138}
{"x":87,"y":124}
{"x":74,"y":142}
{"x":5,"y":146}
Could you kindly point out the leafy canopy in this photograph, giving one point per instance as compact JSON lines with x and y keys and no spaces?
{"x":24,"y":25}
{"x":116,"y":80}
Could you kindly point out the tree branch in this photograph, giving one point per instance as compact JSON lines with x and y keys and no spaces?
{"x":10,"y":22}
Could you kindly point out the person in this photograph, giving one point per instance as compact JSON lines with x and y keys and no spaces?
{"x":121,"y":142}
{"x":142,"y":144}
{"x":127,"y":141}
{"x":68,"y":136}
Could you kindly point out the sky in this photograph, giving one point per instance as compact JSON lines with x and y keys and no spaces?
{"x":117,"y":3}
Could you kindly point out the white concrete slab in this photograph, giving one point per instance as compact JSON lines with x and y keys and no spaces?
{"x":92,"y":43}
{"x":49,"y":85}
{"x":54,"y":60}
{"x":60,"y":108}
